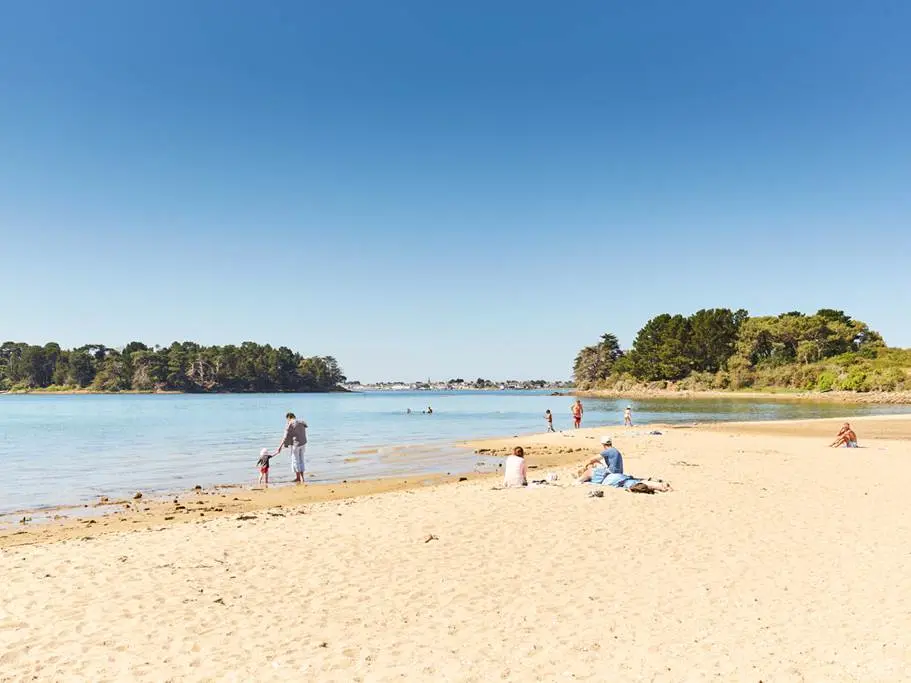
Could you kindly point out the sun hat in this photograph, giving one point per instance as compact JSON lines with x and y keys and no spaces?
{"x":264,"y":451}
{"x":606,"y":440}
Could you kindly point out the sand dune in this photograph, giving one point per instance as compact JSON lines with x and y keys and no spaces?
{"x":776,"y":559}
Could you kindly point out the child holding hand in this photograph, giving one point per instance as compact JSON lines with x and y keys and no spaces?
{"x":264,"y":457}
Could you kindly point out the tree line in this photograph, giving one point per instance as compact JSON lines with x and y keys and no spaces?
{"x":724,"y":349}
{"x":182,"y":366}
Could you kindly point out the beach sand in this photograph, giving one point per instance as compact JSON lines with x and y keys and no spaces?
{"x":775,"y":559}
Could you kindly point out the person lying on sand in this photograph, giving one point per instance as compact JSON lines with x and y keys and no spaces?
{"x":845,"y":436}
{"x":634,"y":485}
{"x":610,"y":461}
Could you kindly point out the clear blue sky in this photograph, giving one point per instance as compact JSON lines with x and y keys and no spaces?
{"x":447,"y":189}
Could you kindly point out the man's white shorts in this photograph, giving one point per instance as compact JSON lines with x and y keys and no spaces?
{"x":297,"y":458}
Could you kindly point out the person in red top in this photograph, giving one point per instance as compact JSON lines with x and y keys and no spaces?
{"x":577,"y":414}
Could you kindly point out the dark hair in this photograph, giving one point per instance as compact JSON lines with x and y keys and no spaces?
{"x":518,"y":450}
{"x":290,"y":416}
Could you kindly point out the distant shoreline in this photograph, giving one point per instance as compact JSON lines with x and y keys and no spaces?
{"x":872,"y":397}
{"x":338,"y":390}
{"x":92,"y":392}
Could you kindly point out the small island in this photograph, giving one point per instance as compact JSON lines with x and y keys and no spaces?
{"x":182,"y":367}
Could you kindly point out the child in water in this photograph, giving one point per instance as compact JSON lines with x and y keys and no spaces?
{"x":263,"y":463}
{"x":548,"y":416}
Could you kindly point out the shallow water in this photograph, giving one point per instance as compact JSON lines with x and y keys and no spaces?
{"x":70,"y":449}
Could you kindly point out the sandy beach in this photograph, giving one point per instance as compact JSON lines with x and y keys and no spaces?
{"x":774,"y":559}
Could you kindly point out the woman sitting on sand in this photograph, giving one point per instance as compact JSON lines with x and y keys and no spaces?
{"x":515,"y":472}
{"x":845,"y":436}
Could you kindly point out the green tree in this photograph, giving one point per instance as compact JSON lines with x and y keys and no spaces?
{"x":80,"y":368}
{"x":661,"y":348}
{"x":150,"y":370}
{"x":713,"y":336}
{"x":833,"y":315}
{"x":113,"y":375}
{"x":594,"y":364}
{"x":177,"y":368}
{"x":33,"y":369}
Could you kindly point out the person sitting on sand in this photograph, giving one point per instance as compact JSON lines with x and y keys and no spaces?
{"x":845,"y":436}
{"x":610,"y":461}
{"x":515,"y":471}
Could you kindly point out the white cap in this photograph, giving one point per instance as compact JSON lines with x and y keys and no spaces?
{"x":264,"y":451}
{"x":606,"y":439}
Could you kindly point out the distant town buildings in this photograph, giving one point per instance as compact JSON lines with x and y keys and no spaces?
{"x":459,"y":384}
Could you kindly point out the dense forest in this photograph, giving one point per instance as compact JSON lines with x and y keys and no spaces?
{"x":722,"y":349}
{"x":185,"y":366}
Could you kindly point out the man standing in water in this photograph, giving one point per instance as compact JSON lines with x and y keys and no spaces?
{"x":295,"y":438}
{"x":577,"y":414}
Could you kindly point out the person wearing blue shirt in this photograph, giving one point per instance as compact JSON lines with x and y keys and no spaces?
{"x":611,"y":456}
{"x":609,"y":462}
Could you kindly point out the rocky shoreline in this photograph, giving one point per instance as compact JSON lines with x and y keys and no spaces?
{"x":872,"y":397}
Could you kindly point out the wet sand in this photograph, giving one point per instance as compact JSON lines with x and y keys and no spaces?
{"x":129,"y":514}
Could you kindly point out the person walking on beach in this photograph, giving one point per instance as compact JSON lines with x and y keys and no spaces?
{"x":577,"y":414}
{"x":548,"y":416}
{"x":295,"y":438}
{"x":628,"y":417}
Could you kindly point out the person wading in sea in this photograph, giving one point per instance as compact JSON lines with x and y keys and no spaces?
{"x":295,"y":438}
{"x":577,"y":414}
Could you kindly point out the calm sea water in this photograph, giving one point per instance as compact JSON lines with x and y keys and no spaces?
{"x":71,"y":449}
